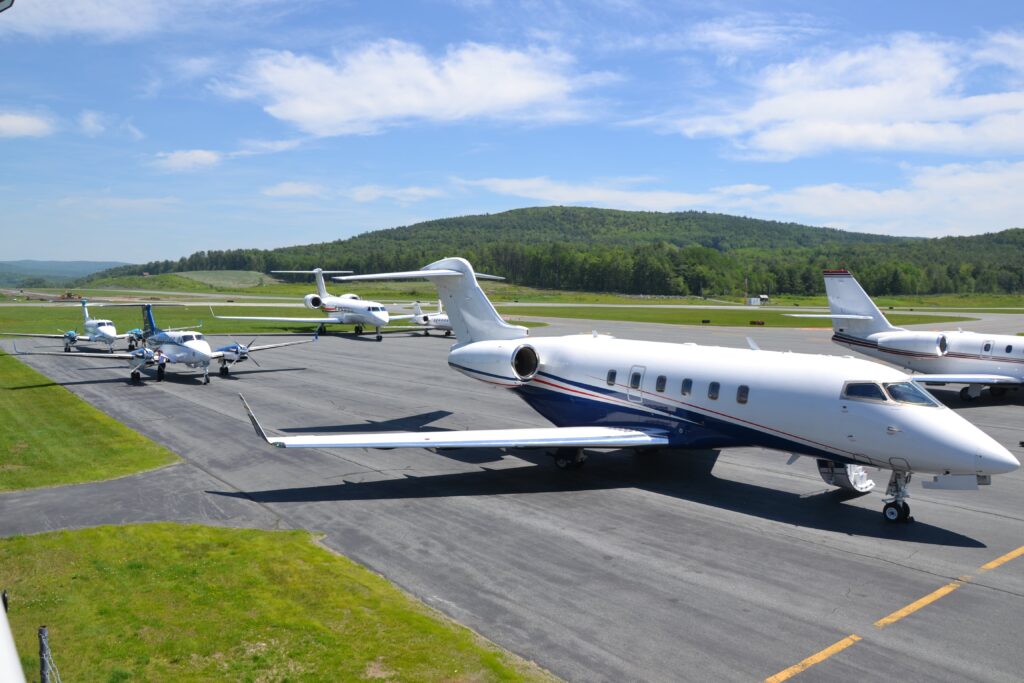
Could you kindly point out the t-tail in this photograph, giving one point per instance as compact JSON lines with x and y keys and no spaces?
{"x":853,"y":312}
{"x":472,"y":316}
{"x":85,"y":310}
{"x":318,"y":273}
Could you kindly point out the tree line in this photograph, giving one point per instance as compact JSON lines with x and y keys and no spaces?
{"x":680,"y":253}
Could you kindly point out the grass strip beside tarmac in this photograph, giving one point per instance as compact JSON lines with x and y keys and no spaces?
{"x":170,"y":602}
{"x":49,"y":436}
{"x":695,"y":316}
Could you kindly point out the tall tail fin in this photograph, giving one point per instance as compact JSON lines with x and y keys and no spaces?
{"x":470,"y":312}
{"x":85,"y":310}
{"x":321,"y":288}
{"x":847,"y":298}
{"x":149,"y":327}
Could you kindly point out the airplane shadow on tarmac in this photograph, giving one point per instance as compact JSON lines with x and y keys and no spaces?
{"x":683,"y":475}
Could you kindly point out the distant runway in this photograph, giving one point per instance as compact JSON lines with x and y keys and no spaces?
{"x":632,"y":568}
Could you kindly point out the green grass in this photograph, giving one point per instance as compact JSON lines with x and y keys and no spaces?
{"x":230,"y":279}
{"x":169,"y":602}
{"x":49,"y":436}
{"x":694,"y":316}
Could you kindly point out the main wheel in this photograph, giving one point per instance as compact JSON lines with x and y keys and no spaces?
{"x":905,"y":512}
{"x":379,"y":337}
{"x":67,"y":348}
{"x":136,"y":375}
{"x":965,"y":395}
{"x":359,"y":330}
{"x":892,"y":512}
{"x":447,"y":333}
{"x":223,"y":371}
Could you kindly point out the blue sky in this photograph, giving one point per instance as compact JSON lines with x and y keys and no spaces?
{"x":142,"y":129}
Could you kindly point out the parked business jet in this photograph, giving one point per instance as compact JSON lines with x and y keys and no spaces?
{"x":432,"y":321}
{"x":956,"y":357}
{"x":602,"y":392}
{"x":96,"y":330}
{"x":176,"y":347}
{"x":347,"y":309}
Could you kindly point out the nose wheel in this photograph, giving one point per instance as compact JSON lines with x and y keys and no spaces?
{"x":379,"y":335}
{"x":896,"y":508}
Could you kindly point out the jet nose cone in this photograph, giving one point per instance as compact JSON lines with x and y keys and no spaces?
{"x":997,"y":460}
{"x":201,"y":348}
{"x":382,"y":318}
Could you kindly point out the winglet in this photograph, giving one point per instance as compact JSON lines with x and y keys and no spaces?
{"x":255,"y":422}
{"x":753,"y":344}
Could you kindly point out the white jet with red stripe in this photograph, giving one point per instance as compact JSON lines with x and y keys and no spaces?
{"x":602,"y":392}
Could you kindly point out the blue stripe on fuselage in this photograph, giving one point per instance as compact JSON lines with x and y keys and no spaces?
{"x":686,"y":428}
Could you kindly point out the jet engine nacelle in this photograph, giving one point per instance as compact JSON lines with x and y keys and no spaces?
{"x":313,"y":301}
{"x":509,"y":363}
{"x":930,"y":343}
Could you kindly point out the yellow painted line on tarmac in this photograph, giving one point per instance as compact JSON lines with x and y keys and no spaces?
{"x":999,"y":561}
{"x":816,"y":658}
{"x":918,"y":604}
{"x":846,"y":642}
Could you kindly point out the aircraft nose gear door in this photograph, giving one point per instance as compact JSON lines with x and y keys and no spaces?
{"x":636,"y":381}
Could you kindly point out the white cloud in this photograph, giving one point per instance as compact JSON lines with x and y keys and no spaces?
{"x":610,"y":195}
{"x":129,"y":128}
{"x":109,"y":19}
{"x":402,"y":195}
{"x":187,"y":160}
{"x":906,"y":94}
{"x":392,"y":82}
{"x":293,"y":189}
{"x":750,"y":32}
{"x":91,"y":123}
{"x":17,"y":125}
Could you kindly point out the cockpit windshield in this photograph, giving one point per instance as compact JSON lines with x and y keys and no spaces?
{"x":908,"y":392}
{"x":187,"y":337}
{"x":863,"y":391}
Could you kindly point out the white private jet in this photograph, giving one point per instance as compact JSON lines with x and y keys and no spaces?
{"x":956,"y":357}
{"x":96,"y":330}
{"x":431,"y":321}
{"x":176,"y":346}
{"x":602,"y":392}
{"x":347,"y":309}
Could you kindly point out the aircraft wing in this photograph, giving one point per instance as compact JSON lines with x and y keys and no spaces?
{"x":311,"y":321}
{"x":94,"y":356}
{"x":412,"y":274}
{"x":543,"y":437}
{"x":264,"y":347}
{"x":28,"y":334}
{"x":967,"y":379}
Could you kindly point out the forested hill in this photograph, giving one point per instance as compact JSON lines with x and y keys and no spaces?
{"x":654,"y":253}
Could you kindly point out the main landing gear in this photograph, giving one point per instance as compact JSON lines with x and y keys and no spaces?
{"x":67,"y":348}
{"x":568,"y":458}
{"x":896,"y":508}
{"x":223,"y":370}
{"x":358,"y":330}
{"x":379,"y":335}
{"x":206,"y":374}
{"x":137,"y":376}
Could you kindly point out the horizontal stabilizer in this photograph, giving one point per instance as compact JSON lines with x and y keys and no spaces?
{"x":967,"y":379}
{"x":833,"y":316}
{"x":543,"y":437}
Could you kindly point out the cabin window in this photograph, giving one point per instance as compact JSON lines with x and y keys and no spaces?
{"x":742,"y":394}
{"x":908,"y":392}
{"x":634,"y":380}
{"x":611,"y":378}
{"x":687,"y":387}
{"x":187,"y":337}
{"x":1009,"y":349}
{"x":713,"y":390}
{"x":863,"y":391}
{"x":988,"y":347}
{"x":659,"y":384}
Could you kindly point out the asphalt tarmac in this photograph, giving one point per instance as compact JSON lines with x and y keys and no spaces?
{"x":664,"y":567}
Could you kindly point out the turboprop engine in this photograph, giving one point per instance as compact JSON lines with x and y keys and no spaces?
{"x":508,"y":363}
{"x":917,"y":343}
{"x":312,"y":301}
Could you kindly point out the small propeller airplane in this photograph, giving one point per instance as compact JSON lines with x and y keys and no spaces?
{"x":431,"y":321}
{"x":96,"y":330}
{"x":347,"y":309}
{"x":602,"y":392}
{"x":954,"y":357}
{"x":176,"y":346}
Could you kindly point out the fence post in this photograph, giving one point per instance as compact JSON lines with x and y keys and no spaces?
{"x":44,"y":656}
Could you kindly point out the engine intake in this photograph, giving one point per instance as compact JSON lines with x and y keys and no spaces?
{"x":313,"y":301}
{"x":505,"y":362}
{"x":913,"y":343}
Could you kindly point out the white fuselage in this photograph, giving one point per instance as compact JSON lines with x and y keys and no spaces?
{"x":186,"y":347}
{"x":100,"y":331}
{"x":354,"y":311}
{"x":793,"y":402}
{"x":965,"y":353}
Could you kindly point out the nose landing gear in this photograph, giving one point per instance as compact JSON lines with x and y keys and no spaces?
{"x":896,"y":508}
{"x":379,"y":335}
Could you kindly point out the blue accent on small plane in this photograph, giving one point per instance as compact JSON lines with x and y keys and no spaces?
{"x":148,"y":323}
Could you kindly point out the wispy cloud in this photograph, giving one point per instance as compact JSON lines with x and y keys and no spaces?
{"x":91,"y":123}
{"x":20,"y":125}
{"x":294,"y":189}
{"x":908,"y":93}
{"x":188,"y":159}
{"x":401,"y":195}
{"x":392,"y":82}
{"x":108,"y":19}
{"x":608,"y":195}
